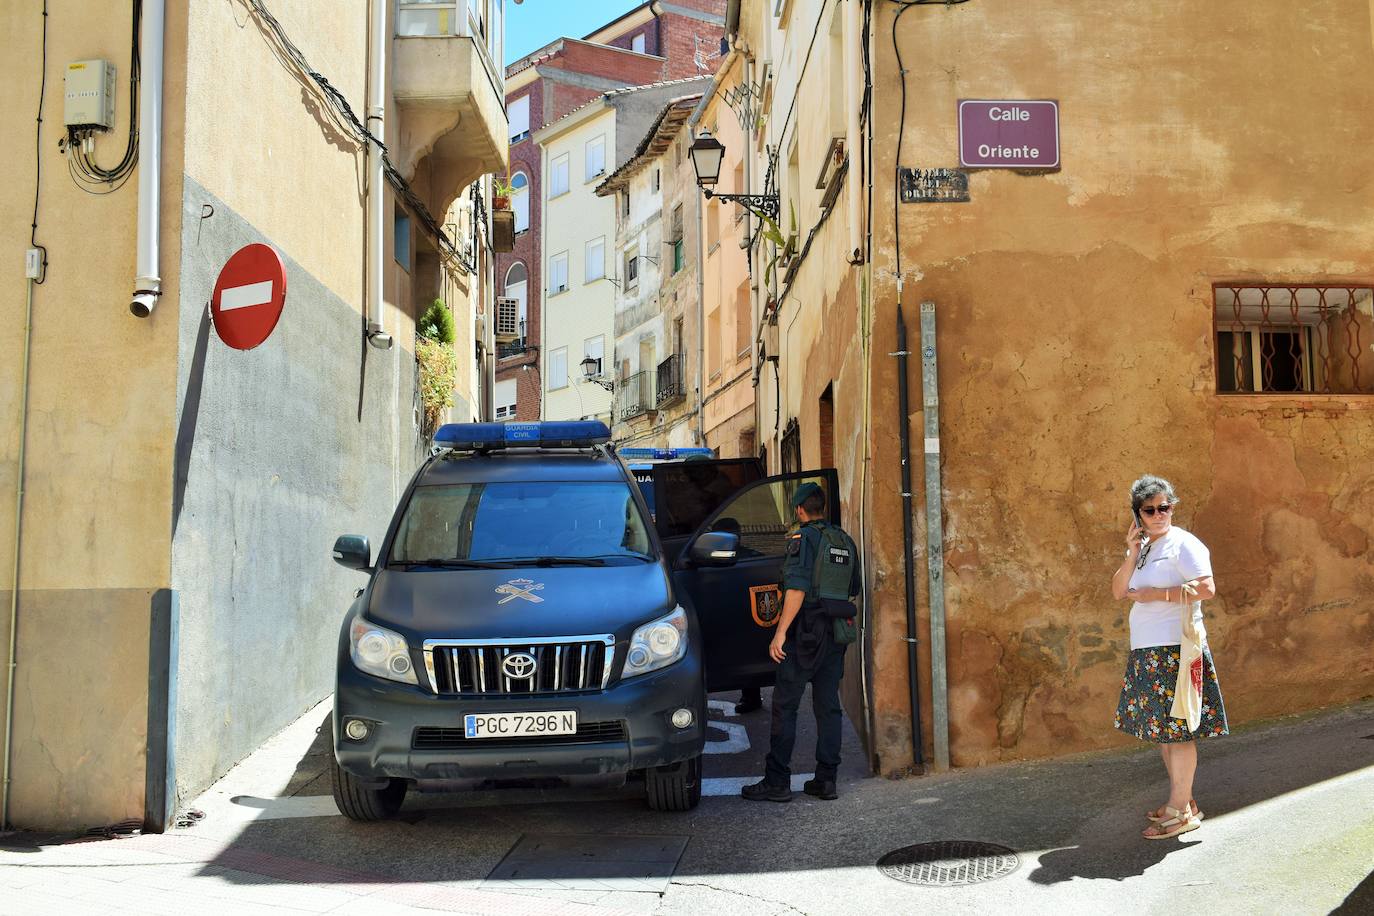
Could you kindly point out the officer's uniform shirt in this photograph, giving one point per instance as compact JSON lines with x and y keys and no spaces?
{"x":798,"y":566}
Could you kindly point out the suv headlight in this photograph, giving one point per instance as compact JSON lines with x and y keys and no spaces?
{"x":377,"y":650}
{"x":657,"y":644}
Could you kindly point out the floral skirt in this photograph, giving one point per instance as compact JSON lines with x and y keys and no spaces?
{"x":1147,"y":694}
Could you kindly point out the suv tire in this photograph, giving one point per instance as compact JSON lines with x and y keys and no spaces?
{"x":676,"y":787}
{"x":359,"y":803}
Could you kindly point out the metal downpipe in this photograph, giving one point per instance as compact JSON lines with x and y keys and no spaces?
{"x":14,"y":578}
{"x":904,"y":426}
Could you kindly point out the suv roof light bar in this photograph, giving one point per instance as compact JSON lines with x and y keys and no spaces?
{"x":470,"y":437}
{"x":664,"y":454}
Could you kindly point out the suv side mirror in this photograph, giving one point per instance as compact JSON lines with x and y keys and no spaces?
{"x":354,"y":552}
{"x":715,"y":548}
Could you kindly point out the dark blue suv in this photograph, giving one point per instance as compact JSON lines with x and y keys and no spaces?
{"x":525,"y":619}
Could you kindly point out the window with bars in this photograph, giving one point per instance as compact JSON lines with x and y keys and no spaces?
{"x":1294,"y":339}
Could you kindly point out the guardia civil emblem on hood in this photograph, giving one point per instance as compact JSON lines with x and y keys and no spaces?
{"x":520,"y":588}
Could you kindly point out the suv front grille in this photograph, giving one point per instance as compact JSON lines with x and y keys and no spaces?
{"x":437,"y":738}
{"x":478,"y":667}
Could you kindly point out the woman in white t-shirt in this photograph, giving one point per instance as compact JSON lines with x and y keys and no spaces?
{"x":1159,"y":559}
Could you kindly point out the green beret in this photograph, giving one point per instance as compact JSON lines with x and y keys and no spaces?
{"x":804,"y":492}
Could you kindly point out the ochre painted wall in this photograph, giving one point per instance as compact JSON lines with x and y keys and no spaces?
{"x":1076,"y":353}
{"x":101,"y":399}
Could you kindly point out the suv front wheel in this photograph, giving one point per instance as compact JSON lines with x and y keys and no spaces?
{"x":676,"y":787}
{"x":357,"y":802}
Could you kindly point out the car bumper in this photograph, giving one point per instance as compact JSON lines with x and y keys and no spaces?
{"x":403,"y":740}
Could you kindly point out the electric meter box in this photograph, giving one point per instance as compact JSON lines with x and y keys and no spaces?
{"x":89,"y":100}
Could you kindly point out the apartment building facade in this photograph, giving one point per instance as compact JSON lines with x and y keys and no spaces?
{"x":653,"y":42}
{"x":582,"y":269}
{"x":657,"y":322}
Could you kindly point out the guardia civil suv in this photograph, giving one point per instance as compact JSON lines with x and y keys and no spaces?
{"x":523,"y":621}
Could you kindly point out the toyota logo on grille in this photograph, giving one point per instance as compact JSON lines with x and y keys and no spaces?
{"x":519,"y":665}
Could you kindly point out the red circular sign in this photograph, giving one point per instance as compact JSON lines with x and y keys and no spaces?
{"x":249,"y":296}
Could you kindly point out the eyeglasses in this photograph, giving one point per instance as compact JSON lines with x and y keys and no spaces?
{"x":1162,"y":510}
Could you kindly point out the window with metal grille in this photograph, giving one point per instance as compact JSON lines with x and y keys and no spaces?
{"x":1294,"y":339}
{"x":791,"y":447}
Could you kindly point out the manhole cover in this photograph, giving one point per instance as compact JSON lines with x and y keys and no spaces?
{"x":949,"y":863}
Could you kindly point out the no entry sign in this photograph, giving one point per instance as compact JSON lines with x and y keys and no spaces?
{"x":1008,"y":134}
{"x":249,"y":295}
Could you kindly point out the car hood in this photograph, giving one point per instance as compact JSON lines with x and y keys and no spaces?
{"x":521,"y":602}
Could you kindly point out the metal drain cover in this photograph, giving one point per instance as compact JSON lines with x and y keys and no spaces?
{"x":949,"y":863}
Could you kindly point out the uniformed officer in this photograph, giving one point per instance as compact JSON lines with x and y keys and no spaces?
{"x":820,"y":557}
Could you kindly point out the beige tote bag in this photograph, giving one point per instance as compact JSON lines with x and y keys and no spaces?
{"x":1188,"y":690}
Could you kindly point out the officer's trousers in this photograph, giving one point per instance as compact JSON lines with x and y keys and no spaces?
{"x":791,"y":683}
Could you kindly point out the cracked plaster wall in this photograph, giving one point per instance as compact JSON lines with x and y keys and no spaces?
{"x":1075,"y":354}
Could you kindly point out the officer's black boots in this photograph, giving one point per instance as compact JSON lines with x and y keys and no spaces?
{"x":763,"y":790}
{"x":821,"y":788}
{"x":749,"y":700}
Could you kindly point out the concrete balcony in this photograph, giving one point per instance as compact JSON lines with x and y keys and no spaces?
{"x":449,"y":97}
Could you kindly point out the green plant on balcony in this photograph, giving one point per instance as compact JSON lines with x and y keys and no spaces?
{"x":501,"y":190}
{"x":784,"y":247}
{"x":438,"y":364}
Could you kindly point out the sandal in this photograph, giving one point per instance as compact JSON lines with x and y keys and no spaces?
{"x":1154,"y":817}
{"x":1177,"y":822}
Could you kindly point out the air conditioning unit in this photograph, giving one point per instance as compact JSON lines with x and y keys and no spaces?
{"x":507,"y":318}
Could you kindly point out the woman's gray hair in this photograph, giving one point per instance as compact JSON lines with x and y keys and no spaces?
{"x":1148,"y":487}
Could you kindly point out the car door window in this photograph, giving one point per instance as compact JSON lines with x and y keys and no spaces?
{"x":686,"y":493}
{"x":762,"y":515}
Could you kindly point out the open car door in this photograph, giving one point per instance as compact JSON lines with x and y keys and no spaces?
{"x":683,"y":494}
{"x":738,"y":605}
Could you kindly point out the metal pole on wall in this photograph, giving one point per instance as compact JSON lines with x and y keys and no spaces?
{"x":935,"y":552}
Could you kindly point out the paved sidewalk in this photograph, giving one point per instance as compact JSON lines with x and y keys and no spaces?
{"x":1289,"y":829}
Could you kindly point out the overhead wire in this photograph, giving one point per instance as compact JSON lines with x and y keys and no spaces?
{"x":901,"y":121}
{"x":341,"y":112}
{"x":38,"y":152}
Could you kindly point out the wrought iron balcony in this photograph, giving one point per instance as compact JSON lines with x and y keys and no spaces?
{"x":670,"y":388}
{"x":634,"y":396}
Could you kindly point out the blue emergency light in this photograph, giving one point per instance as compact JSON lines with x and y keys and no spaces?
{"x":560,"y":434}
{"x":662,"y":454}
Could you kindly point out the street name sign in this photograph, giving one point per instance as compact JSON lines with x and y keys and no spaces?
{"x":1003,"y":134}
{"x":249,"y":296}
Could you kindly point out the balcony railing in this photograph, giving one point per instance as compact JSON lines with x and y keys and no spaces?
{"x":670,"y":388}
{"x":634,"y":396}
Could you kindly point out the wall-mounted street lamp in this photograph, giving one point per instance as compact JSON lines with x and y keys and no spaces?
{"x":589,"y":367}
{"x":706,"y":153}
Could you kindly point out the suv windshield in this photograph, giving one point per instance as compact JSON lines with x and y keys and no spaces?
{"x":541,"y":522}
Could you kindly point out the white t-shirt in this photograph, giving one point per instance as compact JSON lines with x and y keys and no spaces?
{"x":1175,"y":558}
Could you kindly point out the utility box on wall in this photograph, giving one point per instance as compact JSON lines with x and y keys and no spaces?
{"x":89,"y":94}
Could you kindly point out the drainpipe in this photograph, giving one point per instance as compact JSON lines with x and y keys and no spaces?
{"x":852,"y":142}
{"x":373,"y":307}
{"x":913,"y":674}
{"x":701,"y":321}
{"x":147,"y":283}
{"x":14,"y":579}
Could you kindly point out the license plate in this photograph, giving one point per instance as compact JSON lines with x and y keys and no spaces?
{"x":517,"y":724}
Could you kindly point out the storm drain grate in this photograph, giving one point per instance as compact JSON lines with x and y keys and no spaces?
{"x":948,"y":863}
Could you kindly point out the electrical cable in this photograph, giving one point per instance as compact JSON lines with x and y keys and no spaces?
{"x":79,"y":142}
{"x":901,"y":122}
{"x":38,"y":153}
{"x":344,"y":117}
